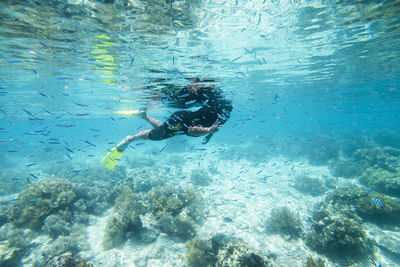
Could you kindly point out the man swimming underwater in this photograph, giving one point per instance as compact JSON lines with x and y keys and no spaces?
{"x":207,"y":120}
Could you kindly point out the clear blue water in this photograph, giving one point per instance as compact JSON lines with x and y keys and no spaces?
{"x":295,"y":71}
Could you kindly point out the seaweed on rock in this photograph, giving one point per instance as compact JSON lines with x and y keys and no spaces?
{"x":285,"y":222}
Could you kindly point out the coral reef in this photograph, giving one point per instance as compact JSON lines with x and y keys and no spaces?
{"x":386,"y":158}
{"x":125,"y":221}
{"x":70,"y":201}
{"x":389,"y":242}
{"x":39,"y":200}
{"x":122,"y":224}
{"x":11,"y":181}
{"x":232,"y":251}
{"x":68,"y":260}
{"x":55,"y":225}
{"x":308,"y":185}
{"x":346,"y":168}
{"x":379,"y":208}
{"x":9,"y":255}
{"x":176,"y":210}
{"x":71,"y":245}
{"x":285,"y":222}
{"x":199,"y":253}
{"x":382,"y":181}
{"x":14,"y":244}
{"x":371,"y":206}
{"x":314,"y":263}
{"x":321,"y":151}
{"x":181,"y":225}
{"x":222,"y":251}
{"x":339,"y":235}
{"x":200,"y":177}
{"x":4,"y":213}
{"x":388,"y":139}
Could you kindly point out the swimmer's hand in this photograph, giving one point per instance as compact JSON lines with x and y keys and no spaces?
{"x":199,"y":131}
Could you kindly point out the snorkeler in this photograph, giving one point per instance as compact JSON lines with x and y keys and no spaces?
{"x":214,"y":112}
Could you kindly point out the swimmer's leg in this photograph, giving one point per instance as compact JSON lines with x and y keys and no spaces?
{"x":130,"y":138}
{"x":154,"y":122}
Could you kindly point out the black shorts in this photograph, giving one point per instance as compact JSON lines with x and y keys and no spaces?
{"x":178,"y":123}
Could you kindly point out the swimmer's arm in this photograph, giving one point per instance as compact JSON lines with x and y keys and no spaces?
{"x":199,"y":131}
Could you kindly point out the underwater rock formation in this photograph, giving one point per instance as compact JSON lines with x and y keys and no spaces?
{"x":200,"y":177}
{"x":308,"y":185}
{"x":339,"y":235}
{"x":285,"y":222}
{"x":221,"y":251}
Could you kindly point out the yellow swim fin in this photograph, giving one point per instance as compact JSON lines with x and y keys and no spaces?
{"x":112,"y":158}
{"x":127,"y":112}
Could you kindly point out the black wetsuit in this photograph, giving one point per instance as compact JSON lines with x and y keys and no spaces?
{"x":213,"y":107}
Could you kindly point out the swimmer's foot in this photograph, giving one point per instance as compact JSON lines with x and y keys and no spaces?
{"x":143,"y":113}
